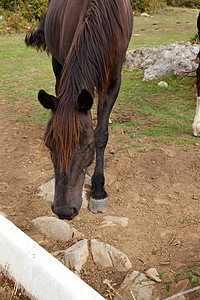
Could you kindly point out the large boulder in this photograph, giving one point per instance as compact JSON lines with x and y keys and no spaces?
{"x":163,"y":61}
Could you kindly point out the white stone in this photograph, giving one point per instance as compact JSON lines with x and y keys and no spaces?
{"x":145,"y":15}
{"x":108,"y":256}
{"x":86,"y":191}
{"x":76,"y":256}
{"x":112,"y":221}
{"x":100,"y":253}
{"x":56,"y":228}
{"x":47,"y":190}
{"x":120,"y":261}
{"x":163,"y":83}
{"x":137,"y":284}
{"x":164,"y":61}
{"x":153,"y":274}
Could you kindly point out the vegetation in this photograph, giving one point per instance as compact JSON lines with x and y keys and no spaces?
{"x":191,"y":274}
{"x":186,"y":3}
{"x":29,"y":9}
{"x":19,"y":14}
{"x":150,"y":6}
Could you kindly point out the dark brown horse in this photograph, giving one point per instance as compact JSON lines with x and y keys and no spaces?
{"x":88,"y":40}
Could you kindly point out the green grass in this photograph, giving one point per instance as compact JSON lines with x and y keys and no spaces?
{"x":168,"y":26}
{"x":143,"y":109}
{"x":23,"y":73}
{"x":165,"y":113}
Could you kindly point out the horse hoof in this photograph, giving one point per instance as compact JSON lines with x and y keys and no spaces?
{"x":100,"y":205}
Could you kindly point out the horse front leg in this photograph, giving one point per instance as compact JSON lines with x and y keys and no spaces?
{"x":57,"y":69}
{"x":98,"y":196}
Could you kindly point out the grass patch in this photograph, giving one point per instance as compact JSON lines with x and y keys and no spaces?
{"x":24,"y":72}
{"x":165,"y":113}
{"x":168,"y":26}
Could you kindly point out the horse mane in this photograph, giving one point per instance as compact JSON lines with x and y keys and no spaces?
{"x":93,"y":53}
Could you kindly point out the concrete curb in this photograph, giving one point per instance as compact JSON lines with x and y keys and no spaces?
{"x":39,"y":275}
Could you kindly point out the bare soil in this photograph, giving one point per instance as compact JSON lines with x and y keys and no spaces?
{"x":157,"y":188}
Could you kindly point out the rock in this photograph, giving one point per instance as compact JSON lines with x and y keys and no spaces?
{"x":100,"y":253}
{"x":145,"y":15}
{"x":112,"y":221}
{"x":112,"y":151}
{"x":76,"y":256}
{"x":137,"y":284}
{"x":56,"y":228}
{"x":153,"y":274}
{"x":47,"y":190}
{"x":163,"y":83}
{"x":108,"y":256}
{"x":164,"y":61}
{"x":120,"y":261}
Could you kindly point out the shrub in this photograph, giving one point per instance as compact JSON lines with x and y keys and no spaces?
{"x":150,"y":6}
{"x":186,"y":3}
{"x":31,"y":9}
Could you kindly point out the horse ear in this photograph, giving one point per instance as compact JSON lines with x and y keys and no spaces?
{"x":85,"y":100}
{"x":48,"y":101}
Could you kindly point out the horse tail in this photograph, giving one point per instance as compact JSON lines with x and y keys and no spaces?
{"x":198,"y":25}
{"x":36,"y":37}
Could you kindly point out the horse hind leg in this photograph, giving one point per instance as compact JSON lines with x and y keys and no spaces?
{"x":98,"y":196}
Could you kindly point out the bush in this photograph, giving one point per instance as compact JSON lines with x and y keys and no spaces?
{"x":149,"y":6}
{"x":12,"y":21}
{"x":186,"y":3}
{"x":31,"y":9}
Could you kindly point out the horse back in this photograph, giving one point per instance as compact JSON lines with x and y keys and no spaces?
{"x":65,"y":17}
{"x":62,"y":20}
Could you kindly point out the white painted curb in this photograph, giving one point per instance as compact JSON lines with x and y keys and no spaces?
{"x":36,"y":271}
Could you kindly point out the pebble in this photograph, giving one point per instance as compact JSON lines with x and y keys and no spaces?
{"x":163,"y":83}
{"x":112,"y":221}
{"x":145,"y":15}
{"x":153,"y":274}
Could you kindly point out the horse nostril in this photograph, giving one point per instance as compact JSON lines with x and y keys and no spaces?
{"x":75,"y":212}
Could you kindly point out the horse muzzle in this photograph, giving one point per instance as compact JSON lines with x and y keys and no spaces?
{"x":65,"y":213}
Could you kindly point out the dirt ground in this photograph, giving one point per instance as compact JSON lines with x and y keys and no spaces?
{"x":157,"y":188}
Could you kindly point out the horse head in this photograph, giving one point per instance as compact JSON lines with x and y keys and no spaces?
{"x":70,"y":173}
